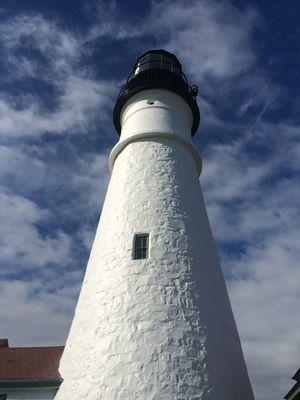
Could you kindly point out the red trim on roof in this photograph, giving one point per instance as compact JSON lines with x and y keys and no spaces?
{"x":30,"y":362}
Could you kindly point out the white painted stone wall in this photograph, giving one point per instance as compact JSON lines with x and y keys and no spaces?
{"x":160,"y":328}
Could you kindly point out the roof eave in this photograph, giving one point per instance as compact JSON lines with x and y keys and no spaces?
{"x":293,"y":392}
{"x":296,"y":377}
{"x":29,"y":383}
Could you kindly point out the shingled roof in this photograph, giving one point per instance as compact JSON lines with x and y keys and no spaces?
{"x":31,"y":364}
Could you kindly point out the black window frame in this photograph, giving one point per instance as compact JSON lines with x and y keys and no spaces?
{"x":141,"y":246}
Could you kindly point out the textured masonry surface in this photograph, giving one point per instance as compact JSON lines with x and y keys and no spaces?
{"x":160,"y":328}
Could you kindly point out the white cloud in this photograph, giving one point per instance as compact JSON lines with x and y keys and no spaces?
{"x":22,"y":246}
{"x":34,"y":179}
{"x":26,"y":33}
{"x":90,"y":180}
{"x":78,"y":109}
{"x":266,"y":305}
{"x":253,"y":204}
{"x":20,"y":170}
{"x":33,"y":314}
{"x":81,"y":182}
{"x":39,"y":311}
{"x":211,"y":37}
{"x":41,"y":49}
{"x":108,"y":22}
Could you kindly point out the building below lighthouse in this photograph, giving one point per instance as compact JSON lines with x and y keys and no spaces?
{"x":153,"y":319}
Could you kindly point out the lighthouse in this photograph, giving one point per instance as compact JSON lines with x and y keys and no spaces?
{"x":153,"y":319}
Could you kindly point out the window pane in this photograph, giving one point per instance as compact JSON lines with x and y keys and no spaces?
{"x":141,"y":246}
{"x":143,"y":242}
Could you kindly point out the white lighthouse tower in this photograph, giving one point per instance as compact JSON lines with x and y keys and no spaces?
{"x":153,"y":320}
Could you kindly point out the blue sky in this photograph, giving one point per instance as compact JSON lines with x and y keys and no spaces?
{"x":62,"y":65}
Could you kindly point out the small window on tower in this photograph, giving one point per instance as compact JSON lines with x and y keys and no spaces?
{"x":141,"y":244}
